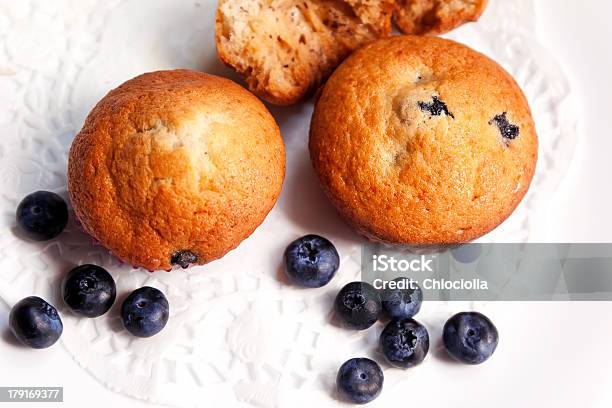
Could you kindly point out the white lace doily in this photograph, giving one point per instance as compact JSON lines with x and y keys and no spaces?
{"x":238,"y":333}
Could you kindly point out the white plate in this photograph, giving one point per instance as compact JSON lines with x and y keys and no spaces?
{"x":238,"y":333}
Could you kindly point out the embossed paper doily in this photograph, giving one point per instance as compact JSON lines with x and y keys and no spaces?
{"x":238,"y":333}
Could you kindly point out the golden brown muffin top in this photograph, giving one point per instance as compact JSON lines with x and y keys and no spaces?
{"x":175,"y":161}
{"x":421,"y":140}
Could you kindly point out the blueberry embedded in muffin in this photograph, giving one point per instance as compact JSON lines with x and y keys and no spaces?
{"x":183,"y":258}
{"x":436,"y":107}
{"x":508,"y":130}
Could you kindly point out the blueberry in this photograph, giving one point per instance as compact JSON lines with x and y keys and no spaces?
{"x":404,"y":342}
{"x":42,"y":215}
{"x":467,"y":253}
{"x":358,"y":305}
{"x":89,"y":290}
{"x":360,"y":380}
{"x":145,"y":312}
{"x":35,"y":322}
{"x":183,"y":258}
{"x":402,"y":303}
{"x":470,"y":337}
{"x":507,"y":129}
{"x":436,"y":107}
{"x":311,"y":261}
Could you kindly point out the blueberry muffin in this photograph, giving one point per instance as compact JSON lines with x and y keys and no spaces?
{"x":175,"y":168}
{"x":421,"y":140}
{"x":428,"y":17}
{"x":285,"y":49}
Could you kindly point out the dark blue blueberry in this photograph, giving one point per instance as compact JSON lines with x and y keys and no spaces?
{"x":42,"y":215}
{"x":183,"y":258}
{"x":311,"y":261}
{"x":507,"y":129}
{"x":470,"y":337}
{"x":360,"y":380}
{"x":35,"y":323}
{"x":404,"y":342}
{"x":89,"y":290}
{"x":402,"y":303}
{"x":145,"y":312}
{"x":436,"y":107}
{"x":467,"y":253}
{"x":358,"y":305}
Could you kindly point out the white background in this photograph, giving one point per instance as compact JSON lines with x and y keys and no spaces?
{"x":578,"y":34}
